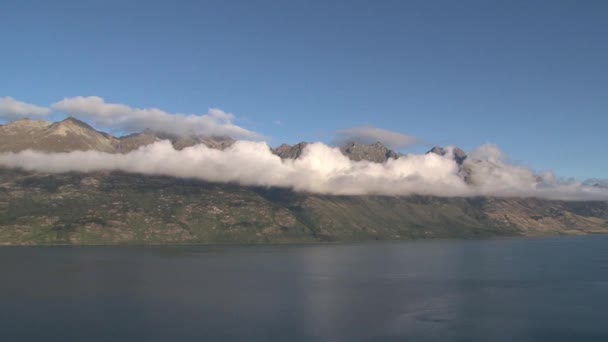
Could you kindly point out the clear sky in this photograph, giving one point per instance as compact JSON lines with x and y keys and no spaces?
{"x":529,"y":76}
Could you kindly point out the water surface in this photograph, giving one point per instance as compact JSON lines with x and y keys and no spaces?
{"x":502,"y":290}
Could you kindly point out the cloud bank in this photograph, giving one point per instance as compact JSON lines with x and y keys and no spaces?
{"x":320,"y":169}
{"x":369,"y":135}
{"x":124,"y":118}
{"x":11,"y":109}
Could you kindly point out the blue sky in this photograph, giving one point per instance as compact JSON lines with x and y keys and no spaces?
{"x":529,"y":76}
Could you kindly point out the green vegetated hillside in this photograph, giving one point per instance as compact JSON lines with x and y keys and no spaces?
{"x":119,"y":208}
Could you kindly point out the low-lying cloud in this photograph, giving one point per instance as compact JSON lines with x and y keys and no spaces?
{"x":320,"y":169}
{"x":11,"y":109}
{"x":115,"y":116}
{"x":369,"y":135}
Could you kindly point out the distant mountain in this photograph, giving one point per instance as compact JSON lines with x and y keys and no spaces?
{"x":136,"y":140}
{"x":286,"y":151}
{"x":114,"y":207}
{"x":183,"y":141}
{"x":376,"y":152}
{"x":64,"y":136}
{"x":72,"y":134}
{"x":596,"y":182}
{"x":120,"y":208}
{"x":458,"y":154}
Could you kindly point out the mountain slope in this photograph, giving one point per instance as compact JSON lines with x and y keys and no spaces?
{"x":115,"y":207}
{"x":286,"y":151}
{"x":64,"y":136}
{"x":74,"y":135}
{"x":134,"y":141}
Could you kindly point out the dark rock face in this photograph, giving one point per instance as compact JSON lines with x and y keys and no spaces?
{"x":438,"y":150}
{"x":286,"y":151}
{"x":375,"y":152}
{"x":459,"y":154}
{"x":459,"y":157}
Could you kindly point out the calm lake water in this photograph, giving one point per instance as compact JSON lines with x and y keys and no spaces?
{"x":553,"y":289}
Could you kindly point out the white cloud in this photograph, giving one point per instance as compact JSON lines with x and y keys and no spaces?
{"x":370,"y":135}
{"x":121,"y":117}
{"x":11,"y":109}
{"x":321,"y":169}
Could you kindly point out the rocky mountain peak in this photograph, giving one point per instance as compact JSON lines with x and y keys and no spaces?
{"x":65,"y":136}
{"x":286,"y":151}
{"x":72,"y":125}
{"x":437,"y":150}
{"x":70,"y":120}
{"x":375,"y":152}
{"x":217,"y":142}
{"x":458,"y":154}
{"x":72,"y":134}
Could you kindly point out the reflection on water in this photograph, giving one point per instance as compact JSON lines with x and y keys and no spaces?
{"x":502,"y":290}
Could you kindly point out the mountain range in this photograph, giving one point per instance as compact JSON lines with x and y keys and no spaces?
{"x":116,"y":207}
{"x":72,"y":134}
